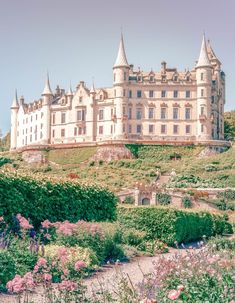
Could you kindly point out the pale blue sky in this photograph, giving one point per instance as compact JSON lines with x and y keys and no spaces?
{"x":78,"y":39}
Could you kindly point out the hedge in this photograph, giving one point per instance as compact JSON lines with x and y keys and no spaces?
{"x":170,"y":225}
{"x":40,"y":200}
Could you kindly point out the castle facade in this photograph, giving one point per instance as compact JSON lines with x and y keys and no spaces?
{"x":157,"y":106}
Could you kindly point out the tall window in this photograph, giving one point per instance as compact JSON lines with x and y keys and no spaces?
{"x":125,"y":76}
{"x":187,"y":113}
{"x":63,"y":118}
{"x":81,"y":115}
{"x":202,"y":110}
{"x":139,"y":113}
{"x":163,"y":94}
{"x":130,"y":93}
{"x":100,"y":130}
{"x":187,"y":94}
{"x":151,"y":113}
{"x":53,"y":118}
{"x":175,"y":113}
{"x":75,"y":131}
{"x":129,"y":113}
{"x":163,"y":113}
{"x":101,"y":114}
{"x":187,"y":129}
{"x":202,"y":128}
{"x":163,"y":129}
{"x":202,"y":92}
{"x":151,"y":78}
{"x":151,"y":94}
{"x":151,"y":128}
{"x":62,"y":132}
{"x":175,"y":93}
{"x":138,"y":128}
{"x":202,"y":76}
{"x":175,"y":129}
{"x":139,"y":93}
{"x":129,"y":129}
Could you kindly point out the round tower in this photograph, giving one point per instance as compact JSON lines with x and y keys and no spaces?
{"x":121,"y":70}
{"x":47,"y":100}
{"x":204,"y":80}
{"x":14,"y":118}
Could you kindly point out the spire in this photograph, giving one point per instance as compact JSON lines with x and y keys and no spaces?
{"x":70,"y":92}
{"x":92,"y":90}
{"x":47,"y":89}
{"x":15,"y":103}
{"x":121,"y":57}
{"x":203,"y":58}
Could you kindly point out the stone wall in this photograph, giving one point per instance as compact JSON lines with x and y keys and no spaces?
{"x":109,"y":153}
{"x":34,"y":157}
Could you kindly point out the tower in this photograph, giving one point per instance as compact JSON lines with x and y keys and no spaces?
{"x":121,"y":70}
{"x":14,"y":114}
{"x":47,"y":99}
{"x":204,"y":82}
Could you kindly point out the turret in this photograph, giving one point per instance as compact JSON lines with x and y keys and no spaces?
{"x":14,"y":114}
{"x":47,"y":99}
{"x":47,"y":92}
{"x":204,"y":79}
{"x":70,"y":94}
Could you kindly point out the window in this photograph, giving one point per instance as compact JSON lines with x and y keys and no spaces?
{"x":123,"y":128}
{"x":81,"y":115}
{"x":101,"y":130}
{"x":202,"y":76}
{"x":151,"y":113}
{"x":138,"y":128}
{"x":151,"y":78}
{"x":53,"y":118}
{"x":139,"y":78}
{"x":187,"y":129}
{"x":129,"y":129}
{"x":31,"y":138}
{"x":139,"y":93}
{"x":202,"y":110}
{"x":151,"y":94}
{"x":187,"y":94}
{"x":101,"y":114}
{"x":202,"y":128}
{"x":41,"y":125}
{"x":151,"y":128}
{"x":163,"y":94}
{"x":80,"y":130}
{"x":62,"y":132}
{"x":125,"y":76}
{"x":114,"y":77}
{"x":41,"y":135}
{"x":163,"y":129}
{"x":41,"y":115}
{"x":175,"y":78}
{"x":188,"y":78}
{"x":175,"y":113}
{"x":115,"y":93}
{"x":111,"y":129}
{"x":75,"y":131}
{"x":63,"y":118}
{"x":31,"y":118}
{"x":163,"y":113}
{"x":36,"y":116}
{"x":36,"y":136}
{"x":130,"y":93}
{"x":175,"y":129}
{"x":202,"y":92}
{"x":124,"y":93}
{"x":101,"y":97}
{"x":129,"y":113}
{"x":175,"y":93}
{"x":187,"y":113}
{"x":212,"y":99}
{"x":124,"y":110}
{"x":138,"y":113}
{"x":31,"y":129}
{"x":80,"y":99}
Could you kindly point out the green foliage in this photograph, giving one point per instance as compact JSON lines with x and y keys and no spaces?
{"x":40,"y":200}
{"x":133,"y":237}
{"x":229,"y":125}
{"x":129,"y":200}
{"x":163,"y":198}
{"x":187,"y":181}
{"x":221,"y":243}
{"x":186,"y":202}
{"x":228,"y":195}
{"x":211,"y":167}
{"x":170,"y":225}
{"x":4,"y":161}
{"x":7,"y":268}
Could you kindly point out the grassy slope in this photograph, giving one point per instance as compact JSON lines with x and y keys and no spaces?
{"x":125,"y":173}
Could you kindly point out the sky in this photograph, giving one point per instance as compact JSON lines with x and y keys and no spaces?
{"x":78,"y":40}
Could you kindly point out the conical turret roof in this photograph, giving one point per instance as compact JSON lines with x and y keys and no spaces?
{"x":203,"y":58}
{"x":47,"y":89}
{"x":70,"y":92}
{"x":121,"y":57}
{"x":15,"y":103}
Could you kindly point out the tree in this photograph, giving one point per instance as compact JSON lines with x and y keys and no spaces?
{"x":229,"y":125}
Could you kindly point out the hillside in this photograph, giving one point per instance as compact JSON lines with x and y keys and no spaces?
{"x":215,"y":171}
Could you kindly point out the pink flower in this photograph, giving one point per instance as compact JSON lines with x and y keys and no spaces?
{"x":1,"y":219}
{"x":67,"y":285}
{"x":174,"y":294}
{"x":79,"y":264}
{"x":24,"y":223}
{"x":16,"y":285}
{"x":28,"y":280}
{"x":41,"y":262}
{"x":46,"y":224}
{"x":48,"y":236}
{"x":47,"y":277}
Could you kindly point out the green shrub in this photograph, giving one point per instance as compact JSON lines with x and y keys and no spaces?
{"x":221,"y":243}
{"x":129,"y":200}
{"x":4,"y":161}
{"x":170,"y":225}
{"x":133,"y":237}
{"x":211,"y":167}
{"x":228,"y":195}
{"x":163,"y":198}
{"x":7,"y":268}
{"x":186,"y":202}
{"x":41,"y":200}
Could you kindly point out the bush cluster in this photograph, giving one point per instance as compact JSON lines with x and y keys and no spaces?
{"x":41,"y":200}
{"x":163,"y":198}
{"x":170,"y":225}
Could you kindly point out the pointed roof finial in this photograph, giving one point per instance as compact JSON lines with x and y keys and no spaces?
{"x":47,"y":89}
{"x":15,"y":103}
{"x":203,"y":58}
{"x":121,"y":57}
{"x":92,"y":90}
{"x":70,"y":91}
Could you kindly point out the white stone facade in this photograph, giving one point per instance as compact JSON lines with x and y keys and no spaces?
{"x":156,"y":106}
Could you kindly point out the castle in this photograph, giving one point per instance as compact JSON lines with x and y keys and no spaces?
{"x":154,"y":106}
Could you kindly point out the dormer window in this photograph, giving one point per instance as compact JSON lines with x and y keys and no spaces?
{"x":80,"y":99}
{"x":151,"y":78}
{"x":175,"y":78}
{"x":139,"y":78}
{"x":187,"y":78}
{"x":101,"y":97}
